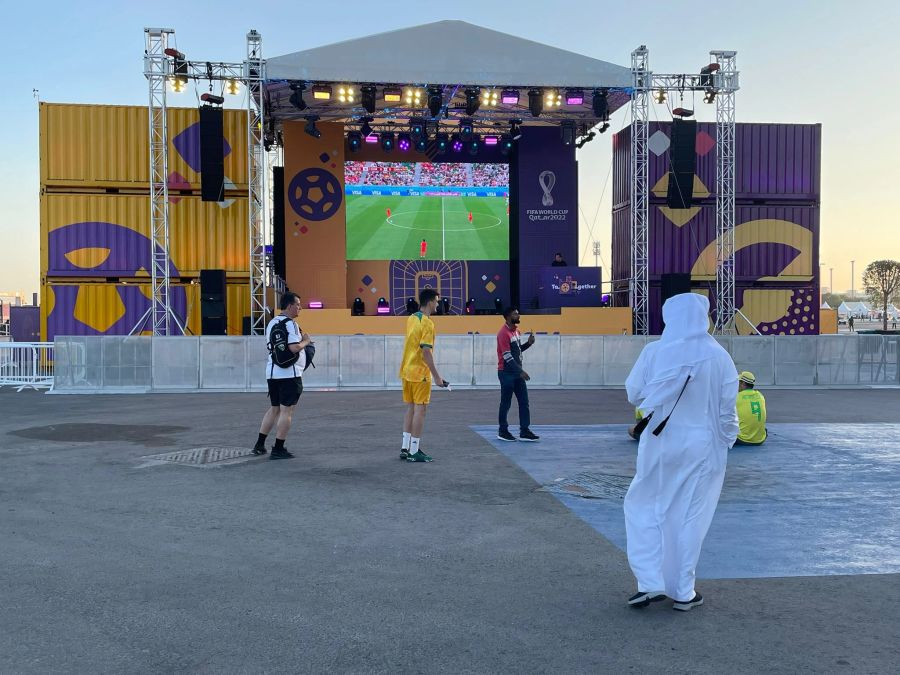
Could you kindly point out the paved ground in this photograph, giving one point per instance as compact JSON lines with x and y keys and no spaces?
{"x":346,"y":560}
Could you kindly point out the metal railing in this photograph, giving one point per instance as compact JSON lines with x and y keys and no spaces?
{"x":142,"y":363}
{"x":26,"y":365}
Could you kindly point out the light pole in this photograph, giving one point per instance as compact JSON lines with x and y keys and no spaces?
{"x":852,"y":278}
{"x":831,"y":279}
{"x":821,"y":287}
{"x":596,"y":254}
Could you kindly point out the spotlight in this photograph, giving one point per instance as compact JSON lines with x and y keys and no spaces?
{"x":466,"y":128}
{"x":383,"y":307}
{"x":174,"y":53}
{"x":310,"y":127}
{"x":359,"y":307}
{"x":413,"y":97}
{"x":491,"y":140}
{"x":552,"y":99}
{"x":372,"y":138}
{"x":411,"y":306}
{"x":709,"y":96}
{"x":660,"y":95}
{"x":296,"y":99}
{"x":367,"y":94}
{"x":456,"y":145}
{"x":233,"y":87}
{"x":316,"y":304}
{"x":498,"y":306}
{"x":387,"y":141}
{"x":574,"y":97}
{"x":212,"y":99}
{"x":473,"y":145}
{"x":472,"y":101}
{"x":404,"y":143}
{"x":515,"y":129}
{"x":567,"y":133}
{"x":441,"y":142}
{"x":510,"y":97}
{"x":682,"y":112}
{"x":535,"y":102}
{"x":179,"y":70}
{"x":321,"y":92}
{"x":470,"y":306}
{"x":417,"y":129}
{"x":490,"y":98}
{"x":354,"y":140}
{"x":506,"y":144}
{"x":178,"y":84}
{"x":600,"y":104}
{"x":346,"y":94}
{"x":435,"y":101}
{"x":421,"y":145}
{"x":366,"y":128}
{"x":445,"y":306}
{"x":392,"y":94}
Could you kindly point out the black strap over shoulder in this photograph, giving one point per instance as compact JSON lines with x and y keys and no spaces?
{"x":662,"y":425}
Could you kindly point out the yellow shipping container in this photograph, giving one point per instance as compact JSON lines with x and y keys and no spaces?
{"x":106,"y":146}
{"x":90,"y":308}
{"x":99,"y":235}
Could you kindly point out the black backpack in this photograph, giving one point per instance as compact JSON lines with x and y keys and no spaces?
{"x":278,"y":347}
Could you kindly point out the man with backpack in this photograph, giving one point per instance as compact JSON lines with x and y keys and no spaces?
{"x":284,"y":373}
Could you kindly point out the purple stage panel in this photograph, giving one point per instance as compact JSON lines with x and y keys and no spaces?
{"x":570,"y":287}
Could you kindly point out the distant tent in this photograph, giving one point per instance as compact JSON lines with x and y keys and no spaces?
{"x":855,"y":308}
{"x":825,"y":305}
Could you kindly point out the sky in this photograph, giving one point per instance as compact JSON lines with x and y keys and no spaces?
{"x":800,"y":62}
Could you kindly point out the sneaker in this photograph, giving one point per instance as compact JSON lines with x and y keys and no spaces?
{"x":505,"y":436}
{"x":259,"y":449}
{"x":419,"y":456}
{"x":690,"y":604}
{"x":528,"y":435}
{"x":404,"y":454}
{"x":644,"y":598}
{"x":281,"y":454}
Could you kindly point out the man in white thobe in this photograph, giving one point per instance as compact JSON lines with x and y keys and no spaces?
{"x":688,"y":381}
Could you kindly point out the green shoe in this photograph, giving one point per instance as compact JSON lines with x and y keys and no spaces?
{"x":419,"y":457}
{"x":404,"y":454}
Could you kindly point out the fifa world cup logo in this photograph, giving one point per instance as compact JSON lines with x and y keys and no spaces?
{"x":547,"y":179}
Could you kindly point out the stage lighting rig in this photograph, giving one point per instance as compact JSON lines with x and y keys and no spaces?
{"x":567,"y":132}
{"x":490,"y":98}
{"x":417,"y":129}
{"x":472,"y":100}
{"x":435,"y":101}
{"x":212,"y":99}
{"x":600,"y":104}
{"x":387,"y":141}
{"x":506,"y":144}
{"x":574,"y":97}
{"x":706,"y":74}
{"x":709,"y":96}
{"x":441,"y":142}
{"x":296,"y":99}
{"x":233,"y":87}
{"x":404,"y":142}
{"x":466,"y":129}
{"x":354,"y":140}
{"x":535,"y":102}
{"x":365,"y":128}
{"x":310,"y":127}
{"x":473,"y":145}
{"x":413,"y":97}
{"x":321,"y":92}
{"x":367,"y":97}
{"x":660,"y":95}
{"x":392,"y":94}
{"x":510,"y":97}
{"x":682,"y":112}
{"x":515,"y":129}
{"x":359,"y":307}
{"x":552,"y":99}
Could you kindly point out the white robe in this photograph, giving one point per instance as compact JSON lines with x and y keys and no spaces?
{"x":676,"y":487}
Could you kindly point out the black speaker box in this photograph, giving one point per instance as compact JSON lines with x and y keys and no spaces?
{"x":675,"y":284}
{"x":683,"y":164}
{"x":212,"y":154}
{"x":213,"y":309}
{"x":278,"y":257}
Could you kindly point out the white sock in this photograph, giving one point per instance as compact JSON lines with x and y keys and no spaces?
{"x":406,"y":438}
{"x":413,"y":445}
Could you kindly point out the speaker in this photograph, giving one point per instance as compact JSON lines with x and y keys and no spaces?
{"x":683,"y":164}
{"x":245,"y":325}
{"x":212,"y":154}
{"x":675,"y":284}
{"x":278,"y":257}
{"x":213,"y":310}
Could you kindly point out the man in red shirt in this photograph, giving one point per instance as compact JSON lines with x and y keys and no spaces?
{"x":513,"y":377}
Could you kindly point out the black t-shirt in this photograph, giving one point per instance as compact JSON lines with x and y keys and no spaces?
{"x":559,"y":263}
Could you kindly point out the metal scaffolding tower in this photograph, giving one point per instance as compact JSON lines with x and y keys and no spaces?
{"x":719,"y":84}
{"x":639,"y":290}
{"x":255,"y":76}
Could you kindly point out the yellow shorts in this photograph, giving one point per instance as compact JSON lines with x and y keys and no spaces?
{"x":417,"y":392}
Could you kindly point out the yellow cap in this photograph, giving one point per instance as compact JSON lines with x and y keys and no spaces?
{"x":747,"y":377}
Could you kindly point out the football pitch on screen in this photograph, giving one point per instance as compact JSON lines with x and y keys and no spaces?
{"x":455,"y":228}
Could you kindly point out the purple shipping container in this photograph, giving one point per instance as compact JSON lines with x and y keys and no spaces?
{"x":774,"y":162}
{"x":25,"y":324}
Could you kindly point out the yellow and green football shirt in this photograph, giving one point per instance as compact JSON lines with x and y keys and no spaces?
{"x":751,"y":411}
{"x":419,"y":334}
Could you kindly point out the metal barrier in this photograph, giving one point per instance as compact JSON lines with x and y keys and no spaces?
{"x":142,"y":364}
{"x":26,"y":365}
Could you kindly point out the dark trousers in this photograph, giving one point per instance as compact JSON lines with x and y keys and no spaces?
{"x":513,"y":384}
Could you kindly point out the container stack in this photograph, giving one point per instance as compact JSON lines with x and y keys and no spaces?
{"x":95,"y":219}
{"x":778,"y":179}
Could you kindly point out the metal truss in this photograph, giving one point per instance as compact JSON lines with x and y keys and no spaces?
{"x":639,"y":291}
{"x":725,"y":84}
{"x":161,"y":317}
{"x":257,"y":225}
{"x":722,"y":85}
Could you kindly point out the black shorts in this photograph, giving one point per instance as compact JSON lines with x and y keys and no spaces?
{"x":285,"y":391}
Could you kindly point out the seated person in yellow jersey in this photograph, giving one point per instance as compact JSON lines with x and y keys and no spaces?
{"x":633,"y":430}
{"x":751,"y":411}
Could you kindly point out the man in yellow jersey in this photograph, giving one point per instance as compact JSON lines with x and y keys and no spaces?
{"x":416,"y":371}
{"x":751,"y":410}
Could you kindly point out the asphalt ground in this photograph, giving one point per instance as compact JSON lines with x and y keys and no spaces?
{"x":345,"y":559}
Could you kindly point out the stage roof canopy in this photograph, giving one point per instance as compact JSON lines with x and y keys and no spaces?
{"x":448,"y":52}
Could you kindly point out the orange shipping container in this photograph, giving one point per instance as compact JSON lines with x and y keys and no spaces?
{"x":115,"y":309}
{"x":105,"y":146}
{"x":99,"y":235}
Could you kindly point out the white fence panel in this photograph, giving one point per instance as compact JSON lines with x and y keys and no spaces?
{"x":26,"y":365}
{"x":582,"y":360}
